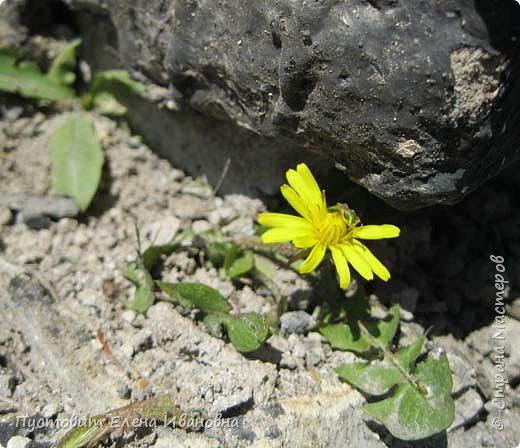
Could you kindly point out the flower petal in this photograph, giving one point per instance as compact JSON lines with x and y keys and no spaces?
{"x":379,"y":269}
{"x":283,"y":220}
{"x":282,"y":234}
{"x":296,"y":201}
{"x":313,"y":259}
{"x":305,"y":185}
{"x":304,"y":242}
{"x":357,"y":261}
{"x":341,"y":266}
{"x":376,"y":232}
{"x":313,"y":189}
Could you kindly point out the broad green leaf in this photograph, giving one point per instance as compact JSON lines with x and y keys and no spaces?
{"x":106,"y":103}
{"x":416,"y":400}
{"x":109,"y":81}
{"x":248,"y":332}
{"x":63,"y":66}
{"x":77,"y":159}
{"x":27,"y":80}
{"x":196,"y":295}
{"x":350,"y":336}
{"x":242,"y":265}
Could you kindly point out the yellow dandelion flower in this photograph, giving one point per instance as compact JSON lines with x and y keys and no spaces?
{"x":320,"y":228}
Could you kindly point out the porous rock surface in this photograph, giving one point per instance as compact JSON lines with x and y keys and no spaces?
{"x":417,"y":101}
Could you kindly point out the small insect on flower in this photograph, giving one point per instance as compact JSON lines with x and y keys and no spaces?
{"x":320,"y":228}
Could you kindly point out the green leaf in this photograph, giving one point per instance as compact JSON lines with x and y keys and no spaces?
{"x":350,"y":337}
{"x":63,"y":66}
{"x":143,"y":281}
{"x":110,"y":81}
{"x":95,"y":430}
{"x":152,"y":254}
{"x":77,"y":159}
{"x":196,"y":295}
{"x":419,"y":403}
{"x":27,"y":80}
{"x":216,"y":252}
{"x":92,"y":430}
{"x":241,"y":266}
{"x":214,"y":323}
{"x":230,"y":257}
{"x":131,"y":272}
{"x":247,"y":333}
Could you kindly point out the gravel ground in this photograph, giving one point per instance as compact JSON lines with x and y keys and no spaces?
{"x":66,"y":269}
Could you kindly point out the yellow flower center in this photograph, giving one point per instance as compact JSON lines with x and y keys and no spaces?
{"x":332,"y":229}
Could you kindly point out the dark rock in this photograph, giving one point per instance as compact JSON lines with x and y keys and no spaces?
{"x":35,"y":210}
{"x":416,"y":101}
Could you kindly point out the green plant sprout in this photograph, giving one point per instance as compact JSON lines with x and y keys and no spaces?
{"x":247,"y":332}
{"x":76,"y":153}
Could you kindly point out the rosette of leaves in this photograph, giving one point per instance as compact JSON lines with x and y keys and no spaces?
{"x":410,"y":397}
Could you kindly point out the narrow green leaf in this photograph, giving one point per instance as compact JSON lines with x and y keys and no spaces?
{"x":196,"y":295}
{"x":77,"y":159}
{"x":63,"y":66}
{"x":98,"y":428}
{"x":230,"y":257}
{"x":242,"y":265}
{"x":247,"y":333}
{"x":109,"y":81}
{"x":216,"y":252}
{"x":93,"y":429}
{"x":27,"y":80}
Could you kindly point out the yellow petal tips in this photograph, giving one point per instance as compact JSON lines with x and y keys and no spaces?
{"x":323,"y":229}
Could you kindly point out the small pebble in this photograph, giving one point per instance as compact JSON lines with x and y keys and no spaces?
{"x":297,"y":322}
